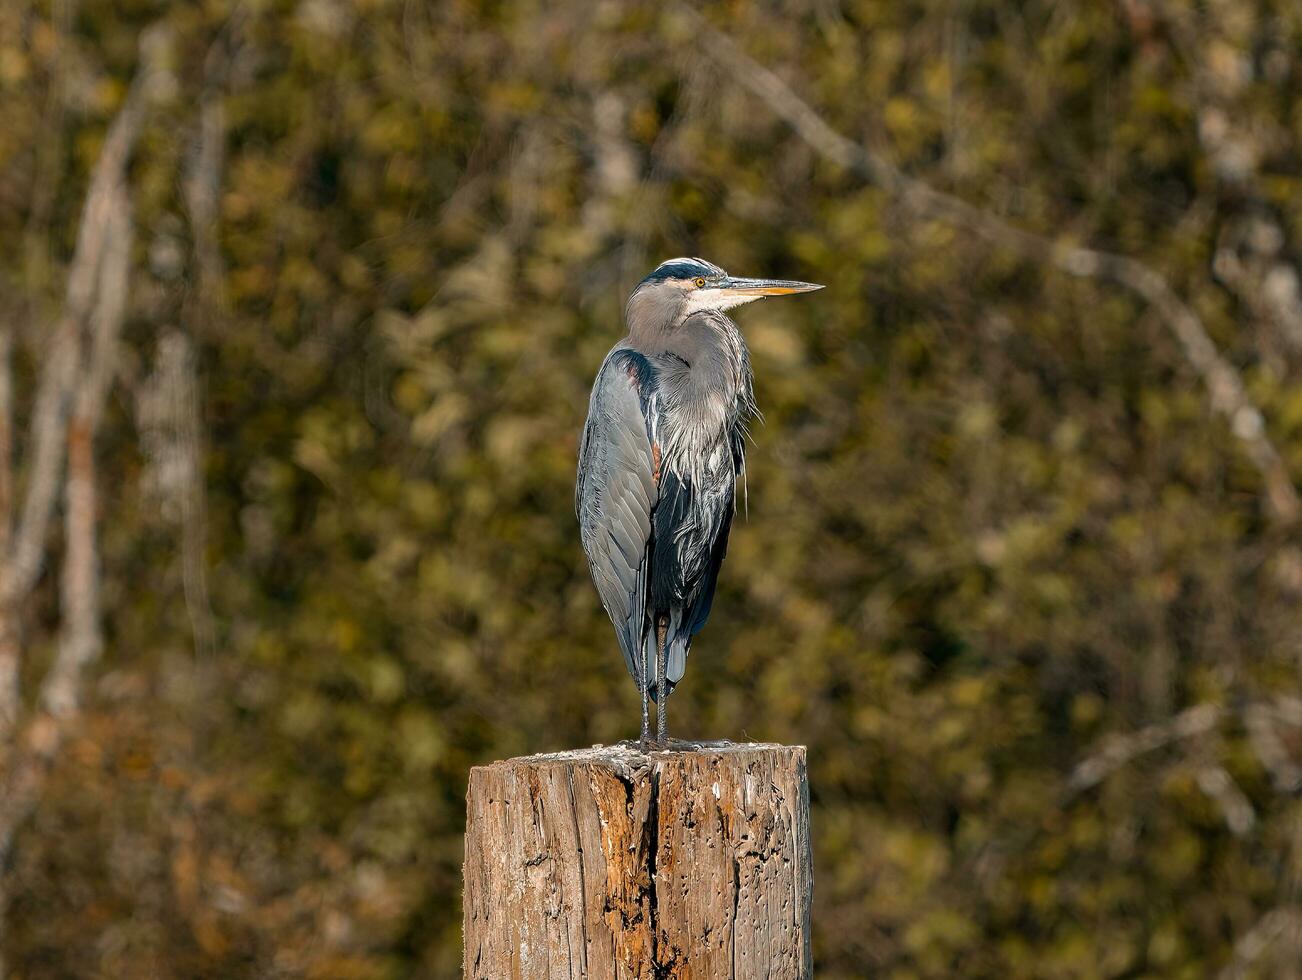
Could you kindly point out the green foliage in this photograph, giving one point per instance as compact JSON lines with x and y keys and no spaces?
{"x":992,"y":519}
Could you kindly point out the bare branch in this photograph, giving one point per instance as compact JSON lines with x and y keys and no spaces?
{"x":58,"y":375}
{"x":1248,"y":261}
{"x":6,"y":434}
{"x":1280,"y":928}
{"x":82,"y":639}
{"x":67,"y":422}
{"x":171,"y":433}
{"x":1228,"y":395}
{"x":1235,"y":807}
{"x":1120,"y":749}
{"x":1251,"y":258}
{"x":179,"y":409}
{"x":194,"y":512}
{"x":202,"y":181}
{"x":8,"y":635}
{"x":27,"y":552}
{"x":1263,"y":721}
{"x":202,"y":188}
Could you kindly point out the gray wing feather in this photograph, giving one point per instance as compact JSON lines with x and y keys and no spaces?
{"x":614,"y":497}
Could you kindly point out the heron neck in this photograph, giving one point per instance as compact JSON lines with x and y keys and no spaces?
{"x":701,"y":353}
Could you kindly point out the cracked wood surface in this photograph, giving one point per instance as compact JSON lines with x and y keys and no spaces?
{"x":611,"y":863}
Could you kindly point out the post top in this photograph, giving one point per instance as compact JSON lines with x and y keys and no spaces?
{"x":627,"y":756}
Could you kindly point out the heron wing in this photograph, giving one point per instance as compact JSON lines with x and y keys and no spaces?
{"x":616,"y":493}
{"x":687,"y":558}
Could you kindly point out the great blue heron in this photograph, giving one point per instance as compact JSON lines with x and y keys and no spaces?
{"x":662,"y":449}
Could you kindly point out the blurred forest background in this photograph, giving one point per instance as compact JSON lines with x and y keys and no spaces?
{"x":300,"y":301}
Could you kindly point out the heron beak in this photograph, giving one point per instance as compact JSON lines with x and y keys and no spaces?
{"x":737,"y":286}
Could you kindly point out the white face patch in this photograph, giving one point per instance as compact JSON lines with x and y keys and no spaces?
{"x":716,"y":299}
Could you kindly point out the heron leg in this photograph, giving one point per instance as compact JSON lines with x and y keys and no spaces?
{"x":645,"y":741}
{"x":662,"y":667}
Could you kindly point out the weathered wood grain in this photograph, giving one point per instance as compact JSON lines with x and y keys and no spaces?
{"x":607,"y":862}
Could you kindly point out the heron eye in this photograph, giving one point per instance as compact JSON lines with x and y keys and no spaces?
{"x":700,"y":283}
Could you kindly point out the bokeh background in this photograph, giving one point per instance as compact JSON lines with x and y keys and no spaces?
{"x":1018,"y":567}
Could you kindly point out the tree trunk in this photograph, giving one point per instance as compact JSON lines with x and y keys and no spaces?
{"x":610,"y":863}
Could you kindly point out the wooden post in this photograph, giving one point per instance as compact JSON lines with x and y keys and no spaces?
{"x":610,"y":863}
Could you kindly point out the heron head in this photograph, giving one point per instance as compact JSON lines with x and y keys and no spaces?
{"x":680,"y":287}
